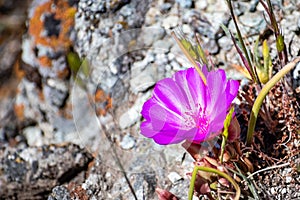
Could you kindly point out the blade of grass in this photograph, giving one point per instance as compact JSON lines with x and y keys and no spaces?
{"x":249,"y":182}
{"x":239,"y":35}
{"x":244,"y":60}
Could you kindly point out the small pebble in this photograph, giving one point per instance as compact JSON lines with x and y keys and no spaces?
{"x":273,"y":191}
{"x":288,"y":179}
{"x":128,"y":142}
{"x":174,"y":177}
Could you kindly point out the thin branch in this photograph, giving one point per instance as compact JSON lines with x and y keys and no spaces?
{"x":268,"y":168}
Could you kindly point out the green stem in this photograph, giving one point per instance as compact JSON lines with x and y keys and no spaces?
{"x":272,"y":18}
{"x":224,"y":140}
{"x":212,"y":170}
{"x":263,"y":93}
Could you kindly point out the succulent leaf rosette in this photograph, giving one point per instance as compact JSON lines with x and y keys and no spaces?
{"x":185,"y":108}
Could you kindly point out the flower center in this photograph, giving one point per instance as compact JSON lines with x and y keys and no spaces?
{"x":196,"y":119}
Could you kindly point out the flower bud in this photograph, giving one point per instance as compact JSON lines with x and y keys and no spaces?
{"x":165,"y":195}
{"x":234,"y":130}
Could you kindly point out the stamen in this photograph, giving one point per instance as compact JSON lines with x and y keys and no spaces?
{"x":195,"y":119}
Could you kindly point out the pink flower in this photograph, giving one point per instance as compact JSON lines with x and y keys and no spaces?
{"x":184,"y":108}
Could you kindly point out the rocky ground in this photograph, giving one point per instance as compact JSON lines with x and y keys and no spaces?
{"x":70,"y":132}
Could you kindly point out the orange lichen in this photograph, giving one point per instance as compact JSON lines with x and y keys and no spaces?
{"x":99,"y":96}
{"x":77,"y":192}
{"x":19,"y":111}
{"x":62,"y":74}
{"x":41,"y":95}
{"x":103,"y":102}
{"x":67,"y":112}
{"x":62,"y":12}
{"x":18,"y":72}
{"x":45,"y":61}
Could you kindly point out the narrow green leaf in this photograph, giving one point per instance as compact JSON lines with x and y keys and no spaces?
{"x":280,"y":43}
{"x":74,"y":61}
{"x":85,"y":67}
{"x":214,"y":185}
{"x":267,"y":62}
{"x":200,"y":52}
{"x":225,"y":132}
{"x":185,"y":48}
{"x":256,"y":53}
{"x":194,"y":49}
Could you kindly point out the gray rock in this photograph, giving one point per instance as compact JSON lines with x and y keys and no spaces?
{"x":174,"y":177}
{"x":225,"y":43}
{"x":163,"y":46}
{"x":161,"y":58}
{"x":138,"y":66}
{"x":129,"y":118}
{"x":170,"y":22}
{"x":165,"y":7}
{"x":176,"y":66}
{"x":185,"y":3}
{"x":55,"y":96}
{"x":251,"y":19}
{"x":179,"y":192}
{"x":112,"y":18}
{"x":9,"y":52}
{"x":153,"y":17}
{"x":212,"y":46}
{"x":144,"y":80}
{"x":33,"y":136}
{"x":149,"y":35}
{"x":128,"y":142}
{"x":201,"y":5}
{"x":200,"y":23}
{"x":22,"y":170}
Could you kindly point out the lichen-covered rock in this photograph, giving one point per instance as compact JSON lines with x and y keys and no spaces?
{"x":43,"y":94}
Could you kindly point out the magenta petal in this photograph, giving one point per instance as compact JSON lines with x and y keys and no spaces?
{"x":180,"y":135}
{"x":150,"y":131}
{"x":232,"y":88}
{"x":153,"y":111}
{"x":196,"y":87}
{"x":216,"y":83}
{"x":192,"y":85}
{"x":166,"y":139}
{"x":169,"y":95}
{"x":218,"y":122}
{"x":203,"y":69}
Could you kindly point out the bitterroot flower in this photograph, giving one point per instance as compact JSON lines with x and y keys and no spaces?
{"x":184,"y":108}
